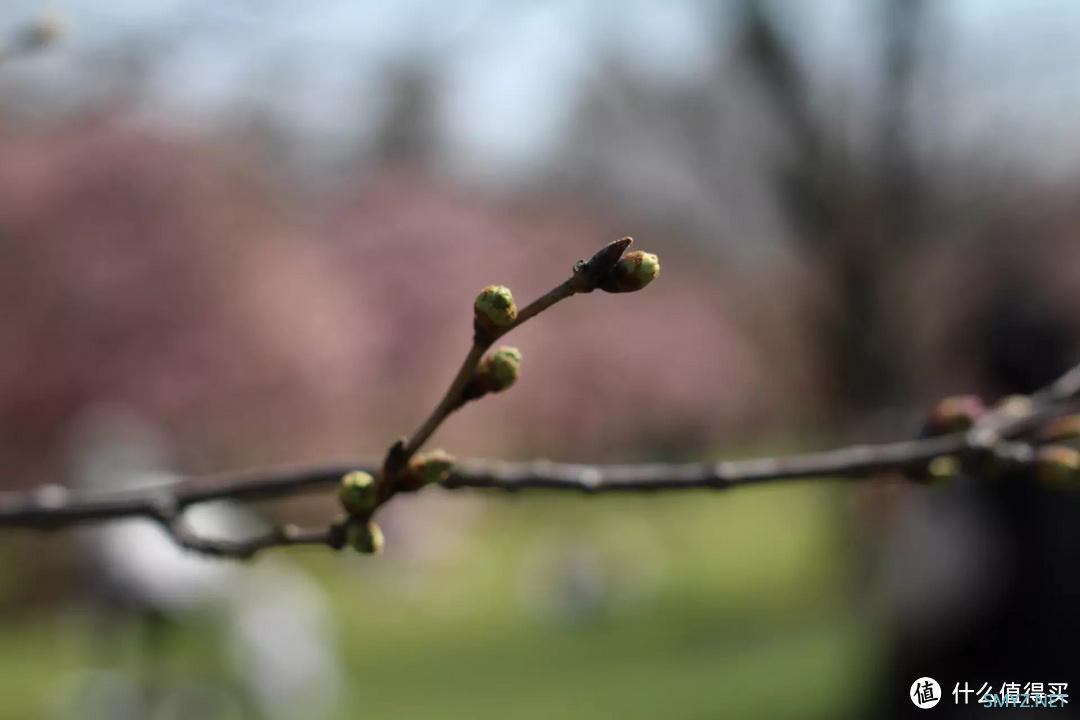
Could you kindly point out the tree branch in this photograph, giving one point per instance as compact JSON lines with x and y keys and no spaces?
{"x":53,"y":507}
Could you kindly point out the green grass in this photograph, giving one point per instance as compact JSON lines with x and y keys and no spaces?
{"x":715,"y":605}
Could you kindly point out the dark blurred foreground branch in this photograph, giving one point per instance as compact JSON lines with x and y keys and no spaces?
{"x":961,"y":434}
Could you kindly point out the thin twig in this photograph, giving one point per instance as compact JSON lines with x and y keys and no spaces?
{"x":579,"y":282}
{"x":278,"y":536}
{"x":452,"y":400}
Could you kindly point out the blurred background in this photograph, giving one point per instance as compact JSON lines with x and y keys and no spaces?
{"x":237,"y":234}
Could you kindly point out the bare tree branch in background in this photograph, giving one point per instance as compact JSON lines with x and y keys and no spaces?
{"x":858,"y":217}
{"x":961,"y":437}
{"x":847,"y":181}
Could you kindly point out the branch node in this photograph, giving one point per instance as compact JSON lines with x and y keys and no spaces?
{"x":593,"y":273}
{"x":396,"y":458}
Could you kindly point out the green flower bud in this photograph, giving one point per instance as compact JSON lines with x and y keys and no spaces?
{"x":365,"y":538}
{"x":634,"y":271}
{"x":502,"y":367}
{"x":939,"y":469}
{"x":495,"y":307}
{"x":944,"y":467}
{"x":1056,"y":464}
{"x":357,"y":492}
{"x":427,"y":468}
{"x":1063,"y":428}
{"x":496,"y":372}
{"x":954,"y":414}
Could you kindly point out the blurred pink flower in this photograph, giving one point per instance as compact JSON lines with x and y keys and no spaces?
{"x":166,"y":278}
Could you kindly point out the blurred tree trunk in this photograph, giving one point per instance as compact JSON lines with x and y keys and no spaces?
{"x":856,"y":217}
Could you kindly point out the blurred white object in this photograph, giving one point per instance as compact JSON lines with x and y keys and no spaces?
{"x":113,"y":451}
{"x":283,"y":643}
{"x":145,"y":566}
{"x":280,"y":638}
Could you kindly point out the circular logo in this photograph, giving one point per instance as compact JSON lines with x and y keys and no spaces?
{"x":925,"y":693}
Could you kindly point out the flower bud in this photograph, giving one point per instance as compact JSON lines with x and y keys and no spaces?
{"x":634,"y":271}
{"x":496,"y":372}
{"x":501,"y":368}
{"x":357,"y":492}
{"x":494,"y":307}
{"x":943,"y":467}
{"x":365,"y":538}
{"x":427,"y":468}
{"x":939,"y":469}
{"x":953,"y":414}
{"x":1063,"y":428}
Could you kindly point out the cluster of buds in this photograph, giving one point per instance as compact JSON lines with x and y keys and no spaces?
{"x":1052,"y":462}
{"x":359,"y":494}
{"x":954,"y":414}
{"x":494,"y":313}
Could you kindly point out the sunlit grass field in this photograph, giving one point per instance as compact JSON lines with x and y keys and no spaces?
{"x":734,"y":605}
